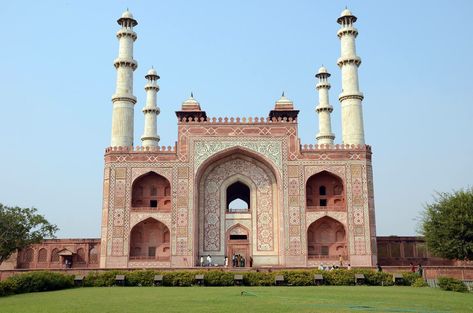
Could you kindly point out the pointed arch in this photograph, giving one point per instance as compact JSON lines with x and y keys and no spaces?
{"x":42,"y":255}
{"x":150,"y":240}
{"x":238,"y":150}
{"x":326,"y":238}
{"x":55,"y":255}
{"x":325,"y":191}
{"x":151,"y":191}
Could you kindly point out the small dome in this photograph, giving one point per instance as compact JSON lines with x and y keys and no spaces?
{"x":284,"y":103}
{"x":127,"y":14}
{"x":152,"y":71}
{"x":190,"y":100}
{"x":283,"y":99}
{"x":322,"y":70}
{"x":191,"y":104}
{"x":346,"y":12}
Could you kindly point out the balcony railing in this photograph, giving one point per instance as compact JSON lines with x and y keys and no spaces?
{"x":150,"y":208}
{"x":338,"y":208}
{"x":150,"y":258}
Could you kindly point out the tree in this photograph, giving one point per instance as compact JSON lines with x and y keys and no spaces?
{"x":447,"y":225}
{"x":21,"y":227}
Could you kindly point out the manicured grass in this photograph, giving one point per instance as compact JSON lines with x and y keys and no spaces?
{"x":230,"y":299}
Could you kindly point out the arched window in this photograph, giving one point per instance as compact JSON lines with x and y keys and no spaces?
{"x":29,"y":255}
{"x":322,"y":191}
{"x":93,"y":256}
{"x":151,"y":192}
{"x":42,"y":255}
{"x":80,"y":255}
{"x":238,"y":198}
{"x":55,"y":255}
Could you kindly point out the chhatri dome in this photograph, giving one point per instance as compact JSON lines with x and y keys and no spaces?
{"x":127,"y":14}
{"x":284,"y":103}
{"x":190,"y":104}
{"x":322,"y":70}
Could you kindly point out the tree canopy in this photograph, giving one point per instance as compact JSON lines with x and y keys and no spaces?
{"x":447,"y":225}
{"x":21,"y":227}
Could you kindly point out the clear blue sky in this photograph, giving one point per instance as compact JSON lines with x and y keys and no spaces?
{"x":237,"y":57}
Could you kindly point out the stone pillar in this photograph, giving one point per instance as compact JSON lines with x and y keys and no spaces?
{"x":323,"y":109}
{"x":351,"y":97}
{"x":150,"y":136}
{"x":123,"y":99}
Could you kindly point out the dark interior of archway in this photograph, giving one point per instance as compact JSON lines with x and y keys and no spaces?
{"x":152,"y":191}
{"x":324,"y":189}
{"x":238,"y":190}
{"x":150,"y":239}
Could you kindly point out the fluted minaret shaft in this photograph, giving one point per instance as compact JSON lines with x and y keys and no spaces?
{"x":324,"y":109}
{"x":123,"y":99}
{"x":150,"y":136}
{"x":351,"y":97}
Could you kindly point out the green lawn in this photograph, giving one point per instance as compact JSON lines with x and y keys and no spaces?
{"x":229,"y":299}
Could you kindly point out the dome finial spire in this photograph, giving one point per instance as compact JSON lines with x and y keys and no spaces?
{"x":282,"y":94}
{"x":192,"y":94}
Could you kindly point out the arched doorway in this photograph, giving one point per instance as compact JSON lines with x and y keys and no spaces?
{"x":324,"y":191}
{"x":238,"y":198}
{"x":238,"y":247}
{"x":326,"y":240}
{"x":151,"y":192}
{"x":149,"y":240}
{"x":243,"y":177}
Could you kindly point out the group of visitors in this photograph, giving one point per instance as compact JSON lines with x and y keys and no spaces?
{"x":419,"y":270}
{"x":239,"y":261}
{"x":332,"y":267}
{"x":67,"y":263}
{"x":209,"y":261}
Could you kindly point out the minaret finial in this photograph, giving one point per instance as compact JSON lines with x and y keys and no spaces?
{"x":192,"y":94}
{"x":282,"y":94}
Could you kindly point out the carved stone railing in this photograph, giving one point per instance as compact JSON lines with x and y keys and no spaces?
{"x":237,"y":120}
{"x":338,"y":208}
{"x":314,"y":148}
{"x":138,"y":149}
{"x":152,"y":209}
{"x":150,"y":258}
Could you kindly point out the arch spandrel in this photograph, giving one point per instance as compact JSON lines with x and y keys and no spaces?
{"x":138,"y":172}
{"x":339,"y":171}
{"x":137,"y":218}
{"x":269,"y":152}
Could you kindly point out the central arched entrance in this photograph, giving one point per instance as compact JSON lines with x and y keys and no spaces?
{"x":238,"y":210}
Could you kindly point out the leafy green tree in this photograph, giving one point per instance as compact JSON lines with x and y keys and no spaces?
{"x":447,"y":225}
{"x":21,"y":227}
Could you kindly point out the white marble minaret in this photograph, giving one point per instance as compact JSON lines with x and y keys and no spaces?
{"x":123,"y":99}
{"x":324,"y":109}
{"x":150,"y":136}
{"x":351,"y":97}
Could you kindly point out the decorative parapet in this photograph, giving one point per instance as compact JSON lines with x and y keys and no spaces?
{"x":141,"y":149}
{"x":317,"y":148}
{"x":238,"y":120}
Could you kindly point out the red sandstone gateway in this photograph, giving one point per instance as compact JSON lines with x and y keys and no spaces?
{"x":166,"y":207}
